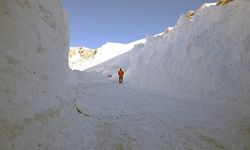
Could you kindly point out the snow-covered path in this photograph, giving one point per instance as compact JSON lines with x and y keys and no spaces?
{"x":119,"y":117}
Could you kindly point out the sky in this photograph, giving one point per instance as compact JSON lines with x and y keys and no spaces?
{"x":95,"y":22}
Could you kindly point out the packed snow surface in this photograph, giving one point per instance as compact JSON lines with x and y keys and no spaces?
{"x":116,"y":117}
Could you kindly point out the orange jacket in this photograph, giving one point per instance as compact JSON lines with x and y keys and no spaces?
{"x":120,"y":73}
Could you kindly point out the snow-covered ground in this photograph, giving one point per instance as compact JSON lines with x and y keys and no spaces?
{"x":105,"y":115}
{"x":45,"y":106}
{"x":120,"y":117}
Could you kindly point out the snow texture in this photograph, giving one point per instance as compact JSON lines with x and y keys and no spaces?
{"x":208,"y":56}
{"x":34,"y":75}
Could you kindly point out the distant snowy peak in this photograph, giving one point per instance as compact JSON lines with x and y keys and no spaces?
{"x":206,"y":5}
{"x":111,"y":46}
{"x":82,"y":60}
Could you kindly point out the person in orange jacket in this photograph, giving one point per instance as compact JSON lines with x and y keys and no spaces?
{"x":120,"y":74}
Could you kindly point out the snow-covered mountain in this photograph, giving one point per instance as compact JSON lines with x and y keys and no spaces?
{"x":208,"y":55}
{"x":104,"y":53}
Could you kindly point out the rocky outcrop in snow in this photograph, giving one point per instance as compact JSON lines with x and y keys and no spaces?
{"x":223,"y":2}
{"x":79,"y":55}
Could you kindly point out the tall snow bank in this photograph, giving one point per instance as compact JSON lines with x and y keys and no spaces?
{"x":208,"y":56}
{"x":33,"y":64}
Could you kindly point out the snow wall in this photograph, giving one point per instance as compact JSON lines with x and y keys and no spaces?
{"x":208,"y":56}
{"x":34,"y":70}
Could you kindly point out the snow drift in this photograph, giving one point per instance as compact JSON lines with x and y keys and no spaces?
{"x":34,"y":69}
{"x":207,"y":56}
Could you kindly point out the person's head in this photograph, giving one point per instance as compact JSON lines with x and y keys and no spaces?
{"x":120,"y":68}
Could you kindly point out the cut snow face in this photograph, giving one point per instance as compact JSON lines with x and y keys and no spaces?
{"x":81,"y":58}
{"x":205,"y":55}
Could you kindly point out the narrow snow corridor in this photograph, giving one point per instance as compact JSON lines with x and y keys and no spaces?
{"x":201,"y":65}
{"x":118,"y":117}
